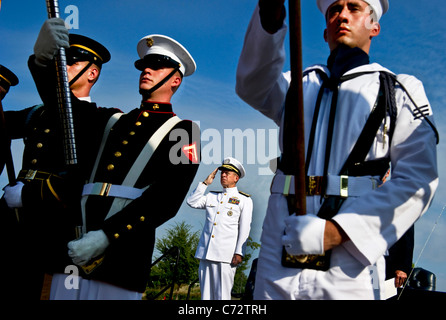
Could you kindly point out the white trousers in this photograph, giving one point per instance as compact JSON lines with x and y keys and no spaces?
{"x":347,"y":278}
{"x":69,"y":287}
{"x":216,"y":280}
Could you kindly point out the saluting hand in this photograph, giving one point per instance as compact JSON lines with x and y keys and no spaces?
{"x":211,"y":177}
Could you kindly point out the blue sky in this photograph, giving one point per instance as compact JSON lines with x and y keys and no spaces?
{"x":412,"y":41}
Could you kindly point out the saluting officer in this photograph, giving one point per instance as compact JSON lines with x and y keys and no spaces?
{"x":228,"y":223}
{"x":47,"y":192}
{"x":143,"y":173}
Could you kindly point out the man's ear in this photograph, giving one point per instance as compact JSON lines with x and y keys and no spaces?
{"x":325,"y":35}
{"x":93,"y":73}
{"x":375,"y":29}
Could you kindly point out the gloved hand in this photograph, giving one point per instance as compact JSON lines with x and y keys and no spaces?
{"x":91,"y":245}
{"x":52,"y":36}
{"x":13,"y":195}
{"x":304,"y":234}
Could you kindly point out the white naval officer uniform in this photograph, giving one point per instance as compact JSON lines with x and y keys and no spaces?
{"x":373,"y":221}
{"x":225,"y":233}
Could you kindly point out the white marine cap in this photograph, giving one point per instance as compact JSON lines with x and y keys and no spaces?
{"x":166,"y":46}
{"x":232,"y":164}
{"x":379,"y":7}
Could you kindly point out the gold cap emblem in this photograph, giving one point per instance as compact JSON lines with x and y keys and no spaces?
{"x":149,"y":42}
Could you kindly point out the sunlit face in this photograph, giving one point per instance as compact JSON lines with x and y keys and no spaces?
{"x":349,"y":22}
{"x":228,"y":179}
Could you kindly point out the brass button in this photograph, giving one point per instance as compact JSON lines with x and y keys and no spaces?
{"x":116,"y":235}
{"x":142,"y":218}
{"x":132,"y":133}
{"x":218,"y":212}
{"x":110,"y":167}
{"x":125,"y":142}
{"x":129,"y":227}
{"x":145,"y":114}
{"x":39,"y":145}
{"x":213,"y":236}
{"x":118,"y":154}
{"x":138,"y":123}
{"x":215,"y":223}
{"x":47,"y":131}
{"x":34,"y":161}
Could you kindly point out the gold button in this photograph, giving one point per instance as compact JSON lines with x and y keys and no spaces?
{"x":129,"y":227}
{"x":118,"y":154}
{"x":145,"y":114}
{"x":125,"y":142}
{"x":218,"y":212}
{"x":110,"y":167}
{"x":34,"y":161}
{"x":142,"y":218}
{"x":39,"y":145}
{"x":138,"y":123}
{"x":221,"y":202}
{"x":213,"y":236}
{"x":215,"y":223}
{"x":116,"y":235}
{"x":132,"y":133}
{"x":47,"y":131}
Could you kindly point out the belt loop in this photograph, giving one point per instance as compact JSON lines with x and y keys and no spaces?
{"x":286,"y":186}
{"x":344,"y":186}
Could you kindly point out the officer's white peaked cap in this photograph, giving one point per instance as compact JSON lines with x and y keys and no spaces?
{"x":233,"y":165}
{"x":163,"y":45}
{"x":379,"y":7}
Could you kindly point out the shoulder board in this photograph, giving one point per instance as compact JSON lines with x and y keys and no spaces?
{"x":244,"y":193}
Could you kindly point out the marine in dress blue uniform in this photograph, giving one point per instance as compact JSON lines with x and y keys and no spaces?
{"x":124,"y":239}
{"x":48,"y":192}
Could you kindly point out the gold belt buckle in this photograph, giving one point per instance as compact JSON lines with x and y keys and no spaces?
{"x":101,"y":189}
{"x":312,"y":185}
{"x":31,"y":174}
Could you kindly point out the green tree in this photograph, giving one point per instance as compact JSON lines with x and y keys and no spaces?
{"x":181,"y":236}
{"x":240,"y":276}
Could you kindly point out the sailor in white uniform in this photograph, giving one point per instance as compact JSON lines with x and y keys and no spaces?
{"x":374,"y":215}
{"x":223,"y":240}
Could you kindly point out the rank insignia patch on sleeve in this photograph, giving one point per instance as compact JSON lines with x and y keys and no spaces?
{"x":190,"y":151}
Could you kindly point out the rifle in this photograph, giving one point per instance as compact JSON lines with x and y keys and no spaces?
{"x":293,"y":156}
{"x":64,"y":100}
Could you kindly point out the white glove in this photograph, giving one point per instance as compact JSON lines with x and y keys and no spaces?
{"x":52,"y":36}
{"x":304,"y":234}
{"x":91,"y":245}
{"x":13,"y":195}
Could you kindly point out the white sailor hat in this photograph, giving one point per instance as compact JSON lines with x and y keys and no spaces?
{"x":379,"y":7}
{"x":232,"y":164}
{"x":163,"y":46}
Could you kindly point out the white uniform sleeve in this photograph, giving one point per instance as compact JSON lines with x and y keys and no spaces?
{"x":375,"y":221}
{"x":197,"y":199}
{"x":259,"y":79}
{"x":244,"y":227}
